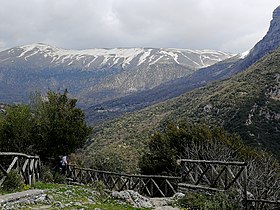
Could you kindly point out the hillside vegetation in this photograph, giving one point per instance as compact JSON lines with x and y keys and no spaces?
{"x":247,"y":104}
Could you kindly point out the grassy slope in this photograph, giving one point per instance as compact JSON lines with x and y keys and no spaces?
{"x":75,"y":197}
{"x":226,"y":103}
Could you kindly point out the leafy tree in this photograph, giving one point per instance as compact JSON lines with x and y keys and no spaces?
{"x":188,"y":141}
{"x":60,"y":126}
{"x":161,"y":157}
{"x":16,"y":130}
{"x":48,"y":127}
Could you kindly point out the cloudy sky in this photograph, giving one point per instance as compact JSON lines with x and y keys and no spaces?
{"x":228,"y":25}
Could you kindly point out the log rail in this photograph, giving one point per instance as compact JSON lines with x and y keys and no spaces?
{"x":215,"y":175}
{"x":150,"y":185}
{"x":219,"y":176}
{"x":28,"y":166}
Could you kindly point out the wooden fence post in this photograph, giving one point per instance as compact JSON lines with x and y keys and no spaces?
{"x":245,"y":177}
{"x":27,"y":166}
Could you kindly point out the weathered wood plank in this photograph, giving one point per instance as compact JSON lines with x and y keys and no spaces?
{"x":183,"y":186}
{"x":188,"y":173}
{"x":212,"y":162}
{"x":276,"y":202}
{"x":18,"y":155}
{"x":12,"y":164}
{"x":157,"y":188}
{"x":235,"y":177}
{"x":218,"y":178}
{"x":145,"y":188}
{"x":171,"y":186}
{"x":32,"y":165}
{"x":3,"y":179}
{"x":202,"y":175}
{"x":25,"y":165}
{"x":28,"y":166}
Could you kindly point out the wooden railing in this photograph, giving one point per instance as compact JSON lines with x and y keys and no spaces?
{"x":150,"y":185}
{"x":27,"y":166}
{"x":220,"y":176}
{"x":213,"y":176}
{"x":196,"y":174}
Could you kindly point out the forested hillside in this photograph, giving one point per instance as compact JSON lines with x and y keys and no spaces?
{"x":247,"y":104}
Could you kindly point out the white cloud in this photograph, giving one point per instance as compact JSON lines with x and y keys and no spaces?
{"x":233,"y":26}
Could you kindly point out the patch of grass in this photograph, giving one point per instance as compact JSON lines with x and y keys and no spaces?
{"x":77,"y":197}
{"x":199,"y":201}
{"x":112,"y":206}
{"x":45,"y":186}
{"x":67,"y":193}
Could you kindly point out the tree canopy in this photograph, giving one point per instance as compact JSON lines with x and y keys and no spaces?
{"x":49,"y":126}
{"x":188,"y":141}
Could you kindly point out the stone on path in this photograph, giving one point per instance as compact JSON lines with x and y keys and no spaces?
{"x":162,"y":204}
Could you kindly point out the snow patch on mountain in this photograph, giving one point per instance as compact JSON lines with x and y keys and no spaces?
{"x":144,"y":56}
{"x":244,"y":54}
{"x":123,"y":57}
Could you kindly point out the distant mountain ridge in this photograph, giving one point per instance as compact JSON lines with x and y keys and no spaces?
{"x":199,"y":78}
{"x":91,"y":59}
{"x":95,"y":75}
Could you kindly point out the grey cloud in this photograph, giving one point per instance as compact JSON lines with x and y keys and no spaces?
{"x":233,"y":26}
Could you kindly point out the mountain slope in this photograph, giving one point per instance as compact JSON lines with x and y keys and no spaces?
{"x":95,"y":75}
{"x":248,"y":103}
{"x":136,"y":101}
{"x":173,"y":88}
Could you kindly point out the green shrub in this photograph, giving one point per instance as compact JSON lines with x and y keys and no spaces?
{"x":59,"y":178}
{"x":188,"y":141}
{"x":108,"y":159}
{"x":26,"y":187}
{"x":100,"y":187}
{"x":198,"y":201}
{"x":13,"y":182}
{"x":46,"y":174}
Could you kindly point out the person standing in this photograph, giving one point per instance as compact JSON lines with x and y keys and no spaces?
{"x":64,"y":164}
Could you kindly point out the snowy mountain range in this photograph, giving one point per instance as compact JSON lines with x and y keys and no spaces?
{"x":95,"y":75}
{"x":125,"y":58}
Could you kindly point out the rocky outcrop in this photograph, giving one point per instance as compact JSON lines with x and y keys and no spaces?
{"x":14,"y":200}
{"x":270,"y":41}
{"x":139,"y":201}
{"x":133,"y":198}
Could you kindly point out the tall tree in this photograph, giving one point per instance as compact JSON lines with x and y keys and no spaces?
{"x":60,"y":126}
{"x":16,"y":130}
{"x":49,"y":126}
